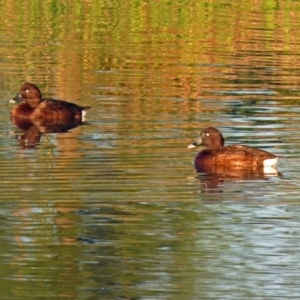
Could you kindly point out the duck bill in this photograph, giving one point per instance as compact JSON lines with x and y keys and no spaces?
{"x":197,"y":143}
{"x":16,"y":99}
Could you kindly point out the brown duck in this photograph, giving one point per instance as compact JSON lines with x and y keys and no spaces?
{"x":33,"y":106}
{"x":230,"y":156}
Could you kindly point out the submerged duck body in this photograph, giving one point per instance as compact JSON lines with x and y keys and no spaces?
{"x":33,"y":106}
{"x":230,"y":156}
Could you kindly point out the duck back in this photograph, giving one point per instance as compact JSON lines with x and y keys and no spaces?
{"x":56,"y":110}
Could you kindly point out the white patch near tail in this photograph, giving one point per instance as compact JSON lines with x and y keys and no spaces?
{"x":270,"y":171}
{"x":83,"y":113}
{"x":270,"y":162}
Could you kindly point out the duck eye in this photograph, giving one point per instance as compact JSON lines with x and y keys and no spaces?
{"x":26,"y":91}
{"x":207,"y":134}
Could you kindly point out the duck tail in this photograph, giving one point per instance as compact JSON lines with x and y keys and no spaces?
{"x":85,"y":108}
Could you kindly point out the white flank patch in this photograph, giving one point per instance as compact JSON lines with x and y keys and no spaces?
{"x":83,"y":113}
{"x":270,"y":171}
{"x":271,"y":162}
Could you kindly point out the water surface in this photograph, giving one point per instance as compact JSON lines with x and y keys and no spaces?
{"x":114,"y":209}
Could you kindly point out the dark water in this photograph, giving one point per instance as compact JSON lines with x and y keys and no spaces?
{"x":114,"y":209}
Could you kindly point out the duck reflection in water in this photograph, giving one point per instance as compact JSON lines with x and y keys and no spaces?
{"x":214,"y":178}
{"x":32,"y":130}
{"x":218,"y":163}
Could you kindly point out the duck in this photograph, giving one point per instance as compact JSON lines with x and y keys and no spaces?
{"x":216,"y":154}
{"x":34,"y":107}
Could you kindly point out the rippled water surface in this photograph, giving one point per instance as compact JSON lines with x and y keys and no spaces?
{"x":113,"y":209}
